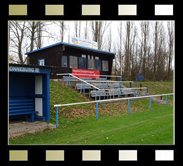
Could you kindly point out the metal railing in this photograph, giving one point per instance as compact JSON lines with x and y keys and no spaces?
{"x":100,"y":101}
{"x":106,"y":81}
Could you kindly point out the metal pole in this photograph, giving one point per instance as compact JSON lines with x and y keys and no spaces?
{"x":128,"y":106}
{"x":69,"y":80}
{"x":56,"y":116}
{"x":166,"y":101}
{"x":97,"y":111}
{"x":83,"y":88}
{"x":150,"y":102}
{"x":118,"y":94}
{"x":121,"y":99}
{"x":99,"y":94}
{"x":138,"y":77}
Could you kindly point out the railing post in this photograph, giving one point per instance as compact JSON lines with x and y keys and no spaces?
{"x":97,"y":111}
{"x":106,"y":79}
{"x":140,"y":87}
{"x":134,"y":93}
{"x":120,"y":82}
{"x":89,"y":79}
{"x":83,"y":88}
{"x":103,"y":85}
{"x":128,"y":106}
{"x":146,"y":91}
{"x":150,"y":102}
{"x":118,"y":94}
{"x":166,"y":101}
{"x":99,"y":94}
{"x":56,"y":116}
{"x":137,"y":77}
{"x":130,"y":84}
{"x":69,"y":80}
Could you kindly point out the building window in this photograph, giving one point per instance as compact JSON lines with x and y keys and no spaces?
{"x":91,"y":64}
{"x":83,"y":56}
{"x":105,"y":66}
{"x":82,"y":63}
{"x":88,"y":56}
{"x":97,"y":58}
{"x":64,"y":61}
{"x":97,"y":64}
{"x":41,"y":62}
{"x":92,"y":57}
{"x":73,"y":61}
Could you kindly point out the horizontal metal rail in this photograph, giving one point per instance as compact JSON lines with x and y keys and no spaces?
{"x":89,"y":75}
{"x":126,"y":88}
{"x":100,"y":101}
{"x":107,"y":81}
{"x":84,"y":81}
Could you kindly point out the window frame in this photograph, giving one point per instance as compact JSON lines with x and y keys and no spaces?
{"x":103,"y":65}
{"x":70,"y":62}
{"x":67,"y":61}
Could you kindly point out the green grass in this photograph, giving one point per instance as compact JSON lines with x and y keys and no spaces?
{"x":78,"y":124}
{"x":155,"y":88}
{"x":146,"y":127}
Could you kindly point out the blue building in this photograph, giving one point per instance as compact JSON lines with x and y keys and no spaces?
{"x":29,"y":92}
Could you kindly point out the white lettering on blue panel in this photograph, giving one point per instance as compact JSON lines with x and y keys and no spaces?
{"x":24,"y":69}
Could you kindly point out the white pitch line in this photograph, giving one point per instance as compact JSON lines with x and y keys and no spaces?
{"x":122,"y":127}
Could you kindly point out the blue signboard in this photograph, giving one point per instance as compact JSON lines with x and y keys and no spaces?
{"x":24,"y":69}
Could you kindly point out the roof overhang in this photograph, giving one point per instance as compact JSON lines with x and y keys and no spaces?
{"x":73,"y":46}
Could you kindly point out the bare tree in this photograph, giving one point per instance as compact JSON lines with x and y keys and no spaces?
{"x":17,"y":35}
{"x":86,"y":30}
{"x":120,"y":44}
{"x":98,"y":30}
{"x":145,"y":35}
{"x":39,"y":36}
{"x":127,"y":48}
{"x":170,"y":26}
{"x":77,"y":29}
